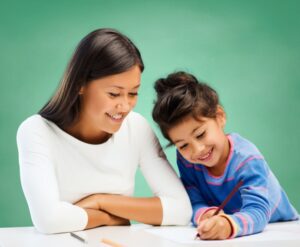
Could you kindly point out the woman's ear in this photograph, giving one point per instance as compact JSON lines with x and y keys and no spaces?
{"x":221,"y":116}
{"x":81,"y":90}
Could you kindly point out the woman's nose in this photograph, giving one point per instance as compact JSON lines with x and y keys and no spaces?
{"x":124,"y":105}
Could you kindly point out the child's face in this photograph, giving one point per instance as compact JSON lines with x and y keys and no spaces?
{"x":202,"y":142}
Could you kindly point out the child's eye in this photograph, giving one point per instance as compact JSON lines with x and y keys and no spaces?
{"x":183,"y":146}
{"x":114,"y":94}
{"x":201,"y":135}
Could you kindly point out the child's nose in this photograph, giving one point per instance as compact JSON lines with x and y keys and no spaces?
{"x":198,"y":148}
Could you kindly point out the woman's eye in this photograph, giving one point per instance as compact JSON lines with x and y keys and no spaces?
{"x":133,"y":94}
{"x":114,"y":94}
{"x":201,"y":135}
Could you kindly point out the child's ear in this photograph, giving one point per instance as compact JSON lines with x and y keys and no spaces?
{"x":221,"y":116}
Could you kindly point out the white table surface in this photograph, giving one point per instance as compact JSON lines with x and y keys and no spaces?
{"x":137,"y":235}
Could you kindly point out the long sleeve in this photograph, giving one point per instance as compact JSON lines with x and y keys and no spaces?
{"x":255,"y":211}
{"x":38,"y":179}
{"x":162,"y":179}
{"x":260,"y":199}
{"x":188,"y":178}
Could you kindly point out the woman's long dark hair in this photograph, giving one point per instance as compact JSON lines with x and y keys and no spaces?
{"x":101,"y":53}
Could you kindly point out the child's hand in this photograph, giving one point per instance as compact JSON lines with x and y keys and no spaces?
{"x":216,"y":227}
{"x":209,"y":214}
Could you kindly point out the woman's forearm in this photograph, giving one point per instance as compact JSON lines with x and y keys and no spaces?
{"x":99,"y":218}
{"x":145,"y":210}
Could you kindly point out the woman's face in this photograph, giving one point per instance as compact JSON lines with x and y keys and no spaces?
{"x":108,"y":100}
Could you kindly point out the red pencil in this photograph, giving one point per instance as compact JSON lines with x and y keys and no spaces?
{"x":227,"y":199}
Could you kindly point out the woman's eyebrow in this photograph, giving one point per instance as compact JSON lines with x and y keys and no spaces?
{"x":135,"y":87}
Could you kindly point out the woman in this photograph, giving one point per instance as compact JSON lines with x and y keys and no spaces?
{"x":78,"y":156}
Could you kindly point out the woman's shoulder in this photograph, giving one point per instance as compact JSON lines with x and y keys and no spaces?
{"x":135,"y":119}
{"x":33,"y":121}
{"x":33,"y":124}
{"x":135,"y":116}
{"x":137,"y":125}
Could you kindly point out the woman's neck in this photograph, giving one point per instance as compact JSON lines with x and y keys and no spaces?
{"x":86,"y":132}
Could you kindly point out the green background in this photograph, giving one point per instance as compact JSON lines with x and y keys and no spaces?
{"x":248,"y":50}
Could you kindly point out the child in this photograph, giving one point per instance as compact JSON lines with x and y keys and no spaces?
{"x":211,"y":163}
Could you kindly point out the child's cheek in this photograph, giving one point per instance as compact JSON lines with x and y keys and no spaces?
{"x":187,"y":156}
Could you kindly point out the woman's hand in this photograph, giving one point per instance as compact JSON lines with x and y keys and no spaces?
{"x":215,"y":227}
{"x":96,"y":216}
{"x":118,"y":221}
{"x":100,"y":218}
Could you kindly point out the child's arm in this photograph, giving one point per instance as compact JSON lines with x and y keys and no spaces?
{"x":201,"y":210}
{"x":255,"y":212}
{"x":256,"y":209}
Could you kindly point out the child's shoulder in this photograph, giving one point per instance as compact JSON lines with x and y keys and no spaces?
{"x":242,"y":147}
{"x":246,"y":159}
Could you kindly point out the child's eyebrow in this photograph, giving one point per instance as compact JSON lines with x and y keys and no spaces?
{"x":193,"y":131}
{"x":178,"y":141}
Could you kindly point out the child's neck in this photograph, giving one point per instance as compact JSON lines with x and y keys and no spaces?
{"x":219,"y":169}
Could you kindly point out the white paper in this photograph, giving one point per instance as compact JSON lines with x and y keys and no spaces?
{"x":273,"y":232}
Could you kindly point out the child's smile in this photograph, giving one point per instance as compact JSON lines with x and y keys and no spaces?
{"x":205,"y":157}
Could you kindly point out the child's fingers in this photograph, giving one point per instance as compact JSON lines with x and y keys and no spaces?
{"x":214,"y":228}
{"x":206,"y":225}
{"x":211,"y":234}
{"x":209,"y":214}
{"x":215,"y":233}
{"x":210,"y":223}
{"x":221,"y":212}
{"x":212,"y":211}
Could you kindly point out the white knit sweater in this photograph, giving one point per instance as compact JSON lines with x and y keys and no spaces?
{"x":57,"y":170}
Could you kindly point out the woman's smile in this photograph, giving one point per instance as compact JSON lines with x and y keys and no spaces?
{"x":118,"y":117}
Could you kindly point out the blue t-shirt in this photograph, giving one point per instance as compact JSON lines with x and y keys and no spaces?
{"x":258,"y":201}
